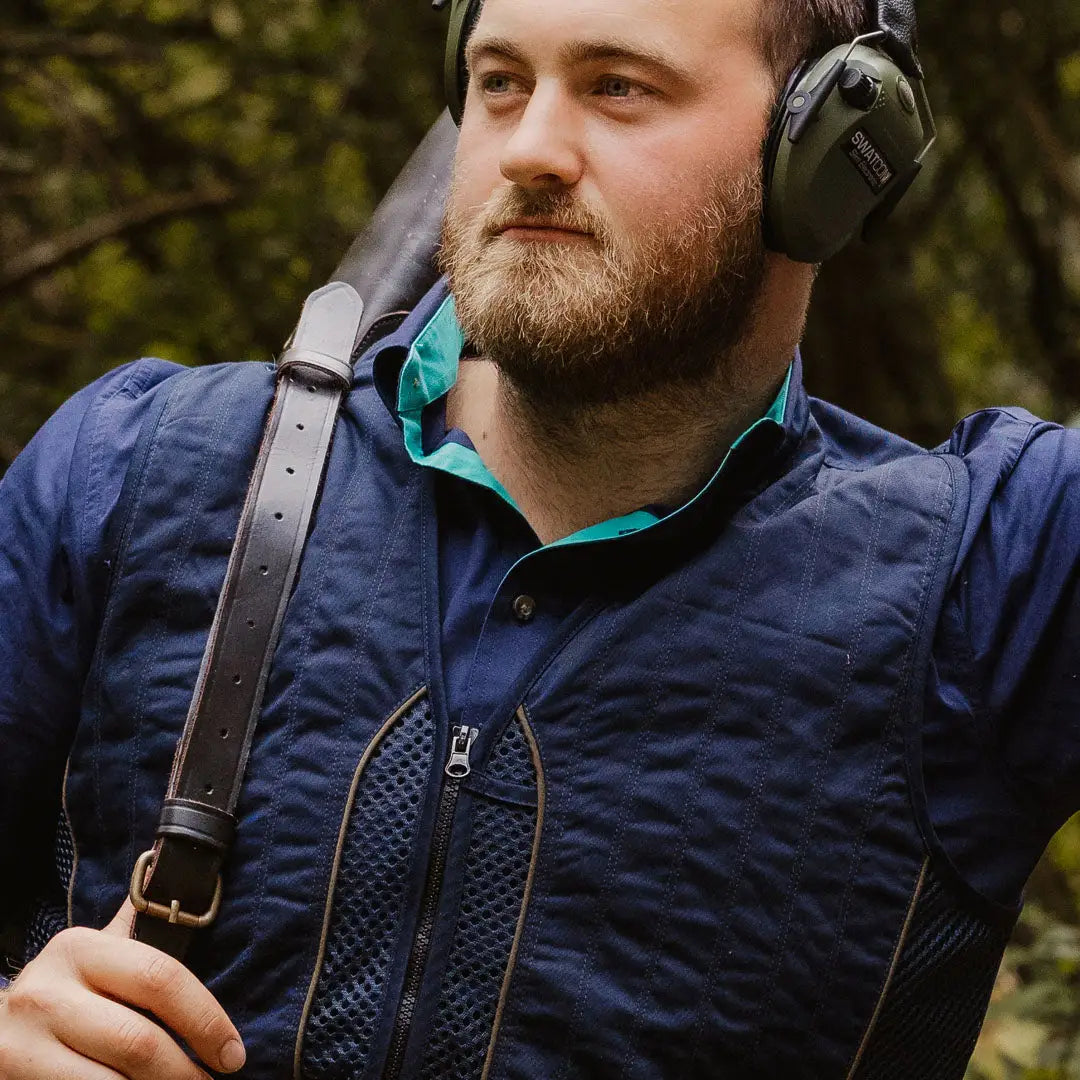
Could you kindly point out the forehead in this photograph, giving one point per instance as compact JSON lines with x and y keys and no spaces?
{"x":695,"y":30}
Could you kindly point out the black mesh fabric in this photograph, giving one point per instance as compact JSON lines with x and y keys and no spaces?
{"x":49,"y":915}
{"x":369,"y":901}
{"x":940,"y":991}
{"x":496,"y":872}
{"x":511,"y":759}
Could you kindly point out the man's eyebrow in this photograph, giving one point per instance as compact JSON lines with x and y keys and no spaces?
{"x":587,"y":52}
{"x":580,"y":52}
{"x":496,"y":47}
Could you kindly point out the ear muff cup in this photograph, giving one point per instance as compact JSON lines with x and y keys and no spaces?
{"x":777,"y":127}
{"x":849,"y":159}
{"x":463,"y":16}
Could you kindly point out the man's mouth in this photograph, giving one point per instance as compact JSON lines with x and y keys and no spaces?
{"x":537,"y":229}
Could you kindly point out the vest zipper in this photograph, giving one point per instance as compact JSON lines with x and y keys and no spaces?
{"x":456,"y":769}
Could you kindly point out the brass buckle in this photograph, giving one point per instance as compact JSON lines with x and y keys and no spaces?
{"x":169,"y":912}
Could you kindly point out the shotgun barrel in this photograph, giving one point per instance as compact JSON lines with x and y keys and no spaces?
{"x":391,"y":264}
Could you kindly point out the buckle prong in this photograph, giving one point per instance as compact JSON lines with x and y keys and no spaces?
{"x":169,"y":912}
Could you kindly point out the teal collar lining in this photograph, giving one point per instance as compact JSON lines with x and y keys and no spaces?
{"x":431,"y":369}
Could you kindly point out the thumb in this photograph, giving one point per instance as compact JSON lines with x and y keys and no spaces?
{"x":122,"y":921}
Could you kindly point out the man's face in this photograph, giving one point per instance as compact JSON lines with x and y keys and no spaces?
{"x":602,"y":235}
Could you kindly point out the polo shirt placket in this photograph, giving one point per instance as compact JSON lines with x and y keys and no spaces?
{"x":499,"y":604}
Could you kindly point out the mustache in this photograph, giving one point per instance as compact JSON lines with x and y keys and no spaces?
{"x":558,"y":208}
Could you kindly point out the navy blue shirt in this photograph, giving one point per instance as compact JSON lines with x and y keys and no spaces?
{"x":491,"y":627}
{"x":1001,"y":740}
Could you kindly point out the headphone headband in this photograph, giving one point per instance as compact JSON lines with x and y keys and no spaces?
{"x":896,"y":18}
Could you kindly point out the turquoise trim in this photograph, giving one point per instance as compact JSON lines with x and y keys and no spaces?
{"x":432,"y":364}
{"x":779,"y":406}
{"x":607,"y":530}
{"x":429,"y":371}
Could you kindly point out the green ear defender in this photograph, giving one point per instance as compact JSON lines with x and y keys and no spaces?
{"x":463,"y":16}
{"x":849,"y":136}
{"x":848,"y":140}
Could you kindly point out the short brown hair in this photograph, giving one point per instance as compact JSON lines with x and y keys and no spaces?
{"x":792,"y":30}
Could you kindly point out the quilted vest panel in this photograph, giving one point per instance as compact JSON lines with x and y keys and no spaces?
{"x":689,"y":848}
{"x":731,"y":863}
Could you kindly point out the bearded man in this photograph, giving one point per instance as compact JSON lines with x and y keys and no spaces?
{"x":633,"y":714}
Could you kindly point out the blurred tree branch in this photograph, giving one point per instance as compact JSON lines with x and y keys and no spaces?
{"x":47,"y":255}
{"x":1058,"y":161}
{"x":85,"y":134}
{"x":99,"y":46}
{"x":1048,"y":296}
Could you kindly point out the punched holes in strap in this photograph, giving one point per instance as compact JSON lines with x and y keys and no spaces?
{"x":198,"y":817}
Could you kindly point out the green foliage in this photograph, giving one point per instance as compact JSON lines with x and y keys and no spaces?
{"x":176,"y":175}
{"x":1032,"y":1031}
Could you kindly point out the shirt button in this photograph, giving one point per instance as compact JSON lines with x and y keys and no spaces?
{"x":524,"y":608}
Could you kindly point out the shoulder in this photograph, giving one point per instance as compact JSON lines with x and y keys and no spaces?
{"x":1006,"y":454}
{"x":992,"y":442}
{"x":1024,"y":476}
{"x":65,"y":484}
{"x":851,"y":442}
{"x":118,"y":396}
{"x":105,"y":417}
{"x":1008,"y":647}
{"x":90,"y":434}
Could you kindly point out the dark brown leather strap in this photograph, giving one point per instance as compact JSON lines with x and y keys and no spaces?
{"x":176,"y":885}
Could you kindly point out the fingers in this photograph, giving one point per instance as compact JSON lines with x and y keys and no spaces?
{"x":55,"y":1029}
{"x":76,"y":1012}
{"x":140,"y":975}
{"x":122,"y":921}
{"x":50,"y":1061}
{"x":116,"y":1036}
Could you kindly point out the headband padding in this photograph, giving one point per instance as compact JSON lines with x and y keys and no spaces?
{"x":897,"y":19}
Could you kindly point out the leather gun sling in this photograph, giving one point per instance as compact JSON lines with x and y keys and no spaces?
{"x":176,"y":885}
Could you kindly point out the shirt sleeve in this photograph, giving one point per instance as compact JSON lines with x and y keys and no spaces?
{"x":56,"y":503}
{"x":1017,"y":592}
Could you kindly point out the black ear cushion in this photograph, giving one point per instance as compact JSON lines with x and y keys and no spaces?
{"x":472,"y":14}
{"x":897,"y":19}
{"x":777,"y":127}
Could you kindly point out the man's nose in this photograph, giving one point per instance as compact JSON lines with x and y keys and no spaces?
{"x":544,"y":149}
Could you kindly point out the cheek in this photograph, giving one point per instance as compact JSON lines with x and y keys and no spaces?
{"x":476,"y":168}
{"x":721,"y":135}
{"x":671,"y":176}
{"x":653,"y":187}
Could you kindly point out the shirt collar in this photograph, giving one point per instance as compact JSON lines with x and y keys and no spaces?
{"x":418,"y":363}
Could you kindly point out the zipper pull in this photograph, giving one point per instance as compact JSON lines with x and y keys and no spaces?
{"x":458,"y":766}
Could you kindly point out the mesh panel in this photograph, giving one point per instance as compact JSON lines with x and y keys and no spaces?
{"x":941,"y":988}
{"x":511,"y":759}
{"x":369,"y":900}
{"x":496,"y":872}
{"x":49,"y":915}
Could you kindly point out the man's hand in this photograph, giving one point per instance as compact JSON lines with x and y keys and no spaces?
{"x":67,"y":1016}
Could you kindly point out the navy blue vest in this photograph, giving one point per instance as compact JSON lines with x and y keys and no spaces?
{"x":693,"y":841}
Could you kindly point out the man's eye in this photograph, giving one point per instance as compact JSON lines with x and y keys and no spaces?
{"x":496,"y":84}
{"x":617,"y":87}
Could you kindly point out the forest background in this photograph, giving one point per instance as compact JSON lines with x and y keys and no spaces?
{"x":176,"y":175}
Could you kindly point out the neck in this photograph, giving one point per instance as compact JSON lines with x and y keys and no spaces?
{"x":574,"y":471}
{"x":575,"y":468}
